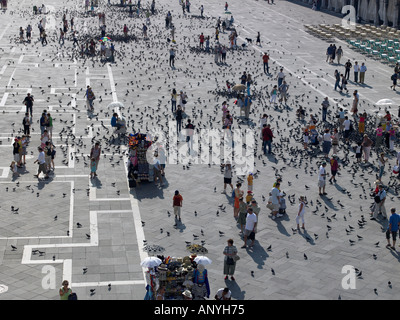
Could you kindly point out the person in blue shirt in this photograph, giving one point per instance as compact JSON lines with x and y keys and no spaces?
{"x":392,"y":228}
{"x":114,"y":122}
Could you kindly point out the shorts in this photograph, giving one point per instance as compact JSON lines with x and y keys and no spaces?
{"x":42,"y":168}
{"x":17,"y":157}
{"x":346,"y":133}
{"x":358,"y":155}
{"x":247,"y":232}
{"x":275,"y":207}
{"x":321,"y":183}
{"x":228,"y":180}
{"x":333,"y":172}
{"x":242,"y":218}
{"x":394,"y":234}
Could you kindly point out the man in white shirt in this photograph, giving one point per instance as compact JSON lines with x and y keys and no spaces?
{"x":363,"y":68}
{"x":322,"y":179}
{"x":281,"y":76}
{"x":223,"y":294}
{"x":347,"y":126}
{"x":356,"y":70}
{"x":251,"y":223}
{"x":41,"y":160}
{"x":275,"y":199}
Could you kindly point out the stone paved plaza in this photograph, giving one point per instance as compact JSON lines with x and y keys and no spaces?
{"x":112,"y":213}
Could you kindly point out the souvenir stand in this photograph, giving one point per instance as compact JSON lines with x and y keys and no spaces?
{"x":138,"y":167}
{"x":179,"y":275}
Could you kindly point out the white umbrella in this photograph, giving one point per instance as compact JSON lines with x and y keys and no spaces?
{"x":151,"y":262}
{"x":202,"y":260}
{"x":384,"y":102}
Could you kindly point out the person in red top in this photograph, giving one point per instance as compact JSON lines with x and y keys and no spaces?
{"x":265,"y":60}
{"x":202,"y":41}
{"x":177,"y":204}
{"x":267,"y":138}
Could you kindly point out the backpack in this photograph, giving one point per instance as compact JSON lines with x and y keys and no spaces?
{"x":393,"y":77}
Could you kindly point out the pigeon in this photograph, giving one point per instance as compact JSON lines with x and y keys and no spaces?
{"x":252,"y":273}
{"x":269,"y":248}
{"x":78,"y":225}
{"x":13,"y":248}
{"x":84,"y":270}
{"x":374,"y":256}
{"x":273,"y":271}
{"x":390,"y":285}
{"x":55,"y":218}
{"x":88,"y":236}
{"x":92,"y":291}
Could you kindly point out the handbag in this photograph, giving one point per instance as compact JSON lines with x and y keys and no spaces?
{"x":377,"y":199}
{"x":236,"y":258}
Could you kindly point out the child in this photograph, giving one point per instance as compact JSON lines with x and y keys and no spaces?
{"x":306,"y":139}
{"x":249,"y":197}
{"x":228,"y":85}
{"x":92,"y":168}
{"x":358,"y":152}
{"x":14,"y":168}
{"x":250,"y":182}
{"x":282,"y":204}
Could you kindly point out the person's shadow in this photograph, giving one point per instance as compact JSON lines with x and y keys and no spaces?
{"x":236,"y":292}
{"x":258,"y":254}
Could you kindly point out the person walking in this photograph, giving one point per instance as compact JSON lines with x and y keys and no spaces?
{"x":274,"y":94}
{"x":337,"y":80}
{"x":334,"y":168}
{"x":179,"y":117}
{"x":177,"y":205}
{"x":230,"y":253}
{"x":381,"y":162}
{"x":41,"y":160}
{"x":327,"y":143}
{"x":366,"y":146}
{"x":344,"y":84}
{"x":65,"y":291}
{"x":392,"y":228}
{"x":394,"y":78}
{"x":322,"y":179}
{"x":95,"y":153}
{"x":265,"y":62}
{"x":347,"y":67}
{"x":339,"y":53}
{"x":242,"y":214}
{"x":174,"y":96}
{"x":189,"y":128}
{"x":275,"y":200}
{"x":354,"y":108}
{"x":29,"y":33}
{"x":363,"y":69}
{"x":250,"y":227}
{"x":325,"y":105}
{"x":335,"y":140}
{"x":238,"y":193}
{"x":267,"y":138}
{"x":380,"y":199}
{"x":280,"y":77}
{"x":301,"y":212}
{"x":27,"y":124}
{"x":28,"y":102}
{"x":89,"y":98}
{"x":172,"y":57}
{"x":283,"y":89}
{"x":227,"y":176}
{"x":379,"y":137}
{"x":356,"y":70}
